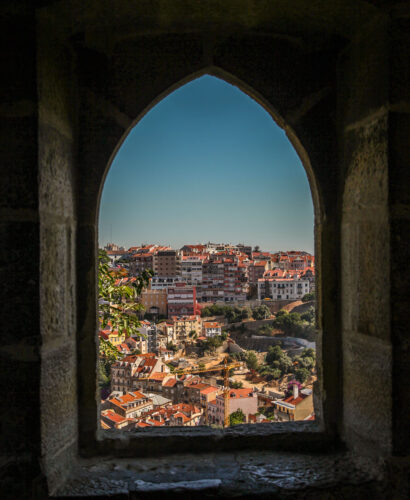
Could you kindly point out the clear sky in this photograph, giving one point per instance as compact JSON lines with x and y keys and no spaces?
{"x":207,"y":164}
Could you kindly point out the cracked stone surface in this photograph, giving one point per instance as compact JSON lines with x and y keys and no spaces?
{"x":223,"y":475}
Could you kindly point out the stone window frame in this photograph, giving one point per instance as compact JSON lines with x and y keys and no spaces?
{"x":317,"y":435}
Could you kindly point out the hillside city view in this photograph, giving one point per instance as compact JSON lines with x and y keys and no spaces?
{"x":194,"y":333}
{"x":208,"y":334}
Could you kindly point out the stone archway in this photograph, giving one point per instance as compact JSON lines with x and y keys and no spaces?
{"x":104,"y":126}
{"x":336,"y":73}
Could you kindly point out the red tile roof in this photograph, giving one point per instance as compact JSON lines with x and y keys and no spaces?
{"x":114,"y":417}
{"x":170,"y":383}
{"x":209,"y":390}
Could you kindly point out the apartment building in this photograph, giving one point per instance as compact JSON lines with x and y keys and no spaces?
{"x":141,"y":262}
{"x":191,"y":269}
{"x":184,"y":325}
{"x":256,"y":270}
{"x":182,"y":300}
{"x":131,"y":405}
{"x":283,"y":288}
{"x":167,"y":329}
{"x":167,"y":263}
{"x":164,"y":282}
{"x":128,"y":373}
{"x":225,"y":278}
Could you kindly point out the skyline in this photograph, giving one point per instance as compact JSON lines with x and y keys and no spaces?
{"x":203,"y":165}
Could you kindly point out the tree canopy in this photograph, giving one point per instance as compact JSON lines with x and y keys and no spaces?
{"x":237,"y":417}
{"x":117,"y":302}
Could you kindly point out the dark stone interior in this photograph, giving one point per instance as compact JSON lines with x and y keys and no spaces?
{"x":76,"y":76}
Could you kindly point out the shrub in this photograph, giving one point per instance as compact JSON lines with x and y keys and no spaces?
{"x":308,"y":297}
{"x":237,"y":417}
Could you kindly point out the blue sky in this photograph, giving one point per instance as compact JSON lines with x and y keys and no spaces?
{"x":207,"y":164}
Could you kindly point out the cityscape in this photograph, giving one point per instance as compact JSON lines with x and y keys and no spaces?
{"x":207,"y":334}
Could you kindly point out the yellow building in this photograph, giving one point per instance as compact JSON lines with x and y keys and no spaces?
{"x":298,"y":406}
{"x":184,"y":325}
{"x":113,"y":336}
{"x":155,"y":301}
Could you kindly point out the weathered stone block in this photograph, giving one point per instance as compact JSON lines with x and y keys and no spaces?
{"x":364,"y":72}
{"x":56,"y":89}
{"x":58,"y":398}
{"x":133,"y":81}
{"x":366,"y":165}
{"x":365,"y":275}
{"x":367,"y":411}
{"x":57,"y":282}
{"x":262,"y":64}
{"x":56,"y":168}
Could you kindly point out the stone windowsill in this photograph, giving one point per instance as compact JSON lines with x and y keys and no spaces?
{"x":243,"y":474}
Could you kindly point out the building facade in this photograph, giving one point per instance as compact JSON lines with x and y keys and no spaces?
{"x":182,"y":300}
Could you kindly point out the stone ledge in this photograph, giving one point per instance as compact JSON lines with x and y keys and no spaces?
{"x":225,"y":475}
{"x":279,"y":436}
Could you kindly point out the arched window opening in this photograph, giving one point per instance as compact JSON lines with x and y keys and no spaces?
{"x":207,"y":269}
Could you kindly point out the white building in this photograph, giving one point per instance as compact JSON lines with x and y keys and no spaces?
{"x":283,"y":288}
{"x":191,"y":269}
{"x":211,"y":328}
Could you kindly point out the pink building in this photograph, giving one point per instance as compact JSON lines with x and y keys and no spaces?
{"x":244,"y":399}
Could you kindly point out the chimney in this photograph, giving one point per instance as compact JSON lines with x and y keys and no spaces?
{"x":295,"y":391}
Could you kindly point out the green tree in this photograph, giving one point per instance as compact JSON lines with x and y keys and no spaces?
{"x":276,"y":373}
{"x":103,"y":373}
{"x":261,"y":312}
{"x":237,"y":417}
{"x":277,"y":359}
{"x":205,"y":312}
{"x":274,"y":354}
{"x":265,"y":330}
{"x":231,"y":316}
{"x":309,"y":352}
{"x":236,"y":384}
{"x":246,"y":313}
{"x":172,"y":347}
{"x":118,"y":302}
{"x":251,"y":360}
{"x":309,"y":315}
{"x":302,"y":374}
